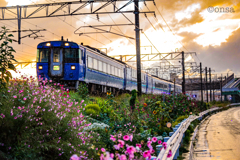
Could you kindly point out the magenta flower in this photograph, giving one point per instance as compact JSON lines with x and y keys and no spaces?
{"x":146,"y":154}
{"x":103,"y":150}
{"x":126,"y":138}
{"x":131,"y":149}
{"x":169,"y":154}
{"x":74,"y":157}
{"x":164,"y":145}
{"x":121,"y":142}
{"x":154,"y":139}
{"x":159,"y":142}
{"x":15,"y":117}
{"x":138,"y":145}
{"x":113,"y":138}
{"x":14,"y":96}
{"x":24,"y":99}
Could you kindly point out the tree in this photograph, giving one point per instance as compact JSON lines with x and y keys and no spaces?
{"x":6,"y":57}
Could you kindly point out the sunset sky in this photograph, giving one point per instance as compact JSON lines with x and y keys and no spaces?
{"x":215,"y":37}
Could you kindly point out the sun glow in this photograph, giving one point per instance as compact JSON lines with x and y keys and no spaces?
{"x":19,"y":2}
{"x":214,"y":30}
{"x":187,"y":12}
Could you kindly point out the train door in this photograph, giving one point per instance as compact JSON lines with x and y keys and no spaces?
{"x":56,"y":62}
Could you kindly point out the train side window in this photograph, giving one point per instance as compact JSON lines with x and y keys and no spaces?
{"x":112,"y":70}
{"x":80,"y":55}
{"x":108,"y":69}
{"x":95,"y":64}
{"x":100,"y":66}
{"x":119,"y":73}
{"x":116,"y":71}
{"x":104,"y":67}
{"x":90,"y":65}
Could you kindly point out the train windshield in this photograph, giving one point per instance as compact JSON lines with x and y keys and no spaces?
{"x":42,"y":55}
{"x":72,"y":55}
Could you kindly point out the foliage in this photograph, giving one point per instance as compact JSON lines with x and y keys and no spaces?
{"x":6,"y":58}
{"x":93,"y":110}
{"x":39,"y":122}
{"x":83,"y":90}
{"x":133,"y":99}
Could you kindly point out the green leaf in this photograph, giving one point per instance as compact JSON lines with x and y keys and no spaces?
{"x":10,"y":40}
{"x":10,"y":35}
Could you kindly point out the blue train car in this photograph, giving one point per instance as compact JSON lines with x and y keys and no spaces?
{"x":70,"y":64}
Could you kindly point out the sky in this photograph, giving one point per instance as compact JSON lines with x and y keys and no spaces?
{"x":194,"y":27}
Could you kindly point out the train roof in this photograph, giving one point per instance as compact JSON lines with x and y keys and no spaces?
{"x":65,"y":44}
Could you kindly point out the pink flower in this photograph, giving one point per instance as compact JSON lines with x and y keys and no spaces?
{"x":164,"y":145}
{"x":20,"y":91}
{"x":15,"y":117}
{"x":123,"y":157}
{"x":121,"y":142}
{"x":154,"y":139}
{"x":131,"y":137}
{"x":24,"y":99}
{"x":131,"y":149}
{"x":138,"y":145}
{"x":169,"y":154}
{"x":112,"y":155}
{"x":74,"y":157}
{"x":159,"y":142}
{"x":146,"y":154}
{"x":112,"y":138}
{"x":14,"y":96}
{"x":103,"y":150}
{"x":126,"y":138}
{"x":117,"y":147}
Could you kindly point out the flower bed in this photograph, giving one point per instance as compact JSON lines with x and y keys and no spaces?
{"x":48,"y":122}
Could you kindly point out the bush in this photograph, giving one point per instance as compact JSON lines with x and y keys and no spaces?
{"x":40,"y":123}
{"x":178,"y":120}
{"x":83,"y":90}
{"x":92,"y":109}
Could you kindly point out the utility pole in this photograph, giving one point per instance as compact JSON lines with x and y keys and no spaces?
{"x":174,"y":88}
{"x":183,"y":72}
{"x":221,"y":87}
{"x":201,"y":82}
{"x":210,"y":86}
{"x":213,"y":91}
{"x":137,"y":30}
{"x":19,"y":15}
{"x":206,"y":83}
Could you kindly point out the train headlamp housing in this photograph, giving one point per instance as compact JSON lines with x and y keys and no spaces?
{"x":66,"y":44}
{"x":40,"y":67}
{"x":73,"y":67}
{"x":48,"y":44}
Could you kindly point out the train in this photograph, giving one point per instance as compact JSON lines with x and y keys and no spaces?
{"x":70,"y":64}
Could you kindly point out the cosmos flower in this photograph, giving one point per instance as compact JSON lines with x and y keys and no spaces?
{"x":126,"y":138}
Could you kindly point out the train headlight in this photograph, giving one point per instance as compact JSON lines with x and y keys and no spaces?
{"x":48,"y":44}
{"x":39,"y":67}
{"x":66,"y":44}
{"x":72,"y":67}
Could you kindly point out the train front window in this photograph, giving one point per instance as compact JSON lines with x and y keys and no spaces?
{"x":56,"y":55}
{"x":72,"y":55}
{"x":42,"y":55}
